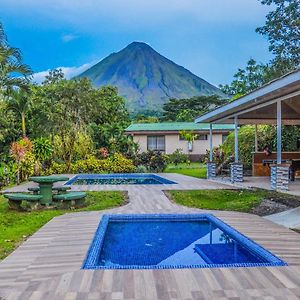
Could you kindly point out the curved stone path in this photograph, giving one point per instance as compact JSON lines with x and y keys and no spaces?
{"x":47,"y":265}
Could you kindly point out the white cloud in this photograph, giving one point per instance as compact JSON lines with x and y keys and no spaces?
{"x":69,"y":37}
{"x":69,"y":72}
{"x":142,"y":12}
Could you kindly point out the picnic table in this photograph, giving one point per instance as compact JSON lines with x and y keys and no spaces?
{"x":46,"y":184}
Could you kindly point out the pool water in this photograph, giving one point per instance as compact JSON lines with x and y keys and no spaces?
{"x":172,"y":241}
{"x":116,"y":179}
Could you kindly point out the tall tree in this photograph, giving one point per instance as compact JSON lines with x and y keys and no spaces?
{"x":245,"y":80}
{"x":282,"y":28}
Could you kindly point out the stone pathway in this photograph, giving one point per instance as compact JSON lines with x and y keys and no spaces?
{"x":48,"y":264}
{"x":289,"y":218}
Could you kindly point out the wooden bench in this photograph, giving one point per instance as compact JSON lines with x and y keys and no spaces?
{"x":15,"y":200}
{"x":76,"y":198}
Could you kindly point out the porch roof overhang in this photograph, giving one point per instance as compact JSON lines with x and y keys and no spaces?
{"x":259,"y":106}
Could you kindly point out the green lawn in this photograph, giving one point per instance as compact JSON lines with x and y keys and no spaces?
{"x":17,"y":226}
{"x":234,"y":200}
{"x":193,"y":169}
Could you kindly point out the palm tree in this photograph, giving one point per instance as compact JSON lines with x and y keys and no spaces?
{"x":13,"y":71}
{"x":190,"y":137}
{"x":19,"y":102}
{"x":2,"y":35}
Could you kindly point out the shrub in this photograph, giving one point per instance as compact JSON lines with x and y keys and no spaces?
{"x":42,"y":149}
{"x":27,"y":165}
{"x":21,"y":153}
{"x":152,"y":160}
{"x":121,"y":164}
{"x":178,"y":157}
{"x":141,"y":169}
{"x":114,"y":164}
{"x":8,"y":173}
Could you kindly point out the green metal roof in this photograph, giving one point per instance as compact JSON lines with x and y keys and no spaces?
{"x":176,"y":126}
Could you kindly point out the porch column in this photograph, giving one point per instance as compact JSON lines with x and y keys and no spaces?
{"x":236,"y":140}
{"x":236,"y":168}
{"x":279,"y":140}
{"x":211,"y":166}
{"x":256,"y":138}
{"x":279,"y":171}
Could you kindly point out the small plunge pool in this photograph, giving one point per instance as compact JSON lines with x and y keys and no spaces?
{"x":172,"y":241}
{"x":117,"y":179}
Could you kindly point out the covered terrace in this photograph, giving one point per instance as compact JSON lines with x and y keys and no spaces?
{"x":276,"y":103}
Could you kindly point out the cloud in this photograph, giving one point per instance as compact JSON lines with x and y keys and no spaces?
{"x":69,"y":37}
{"x":131,"y":13}
{"x":69,"y":72}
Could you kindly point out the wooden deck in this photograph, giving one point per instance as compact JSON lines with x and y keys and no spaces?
{"x":47,"y":265}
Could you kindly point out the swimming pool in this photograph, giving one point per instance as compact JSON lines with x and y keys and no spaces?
{"x":172,"y":241}
{"x":116,"y":179}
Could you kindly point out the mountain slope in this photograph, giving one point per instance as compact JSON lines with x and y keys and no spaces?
{"x":147,"y":79}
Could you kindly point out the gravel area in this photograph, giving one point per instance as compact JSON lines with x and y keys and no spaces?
{"x":276,"y":203}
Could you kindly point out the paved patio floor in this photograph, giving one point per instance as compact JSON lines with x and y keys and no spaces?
{"x":47,"y":265}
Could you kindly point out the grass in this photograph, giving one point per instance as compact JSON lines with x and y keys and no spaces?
{"x":15,"y":226}
{"x":234,"y":200}
{"x":193,"y":169}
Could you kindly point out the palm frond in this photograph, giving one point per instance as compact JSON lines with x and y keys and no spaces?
{"x":3,"y":39}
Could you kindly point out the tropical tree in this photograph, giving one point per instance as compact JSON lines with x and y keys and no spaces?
{"x":3,"y":39}
{"x":19,"y":102}
{"x":282,"y":29}
{"x":13,"y":71}
{"x":190,"y":137}
{"x":246,"y":80}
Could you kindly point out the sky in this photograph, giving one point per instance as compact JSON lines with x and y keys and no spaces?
{"x":211,"y":38}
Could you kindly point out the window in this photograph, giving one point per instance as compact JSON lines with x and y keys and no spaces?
{"x":156,"y":143}
{"x":224,"y":137}
{"x":202,"y":137}
{"x":199,"y":137}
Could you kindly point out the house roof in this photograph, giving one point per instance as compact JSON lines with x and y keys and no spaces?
{"x":176,"y":126}
{"x":259,"y":106}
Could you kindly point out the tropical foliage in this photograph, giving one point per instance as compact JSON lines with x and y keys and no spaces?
{"x":68,"y":121}
{"x":282,"y":29}
{"x":266,"y":136}
{"x":151,"y":161}
{"x":178,"y":157}
{"x":10,"y":64}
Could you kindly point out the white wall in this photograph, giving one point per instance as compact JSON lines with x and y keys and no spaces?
{"x":172,"y":142}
